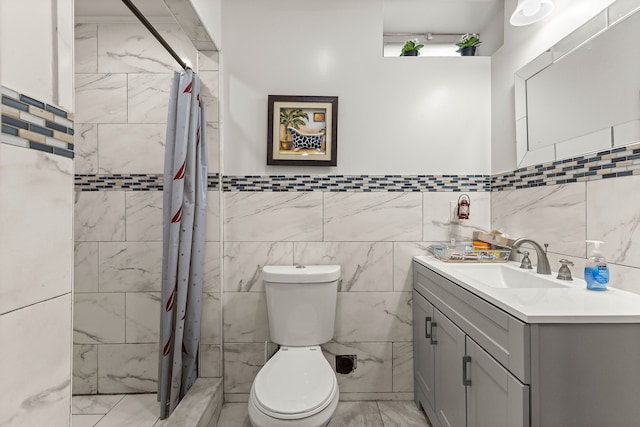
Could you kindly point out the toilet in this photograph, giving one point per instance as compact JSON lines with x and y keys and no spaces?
{"x":297,"y":386}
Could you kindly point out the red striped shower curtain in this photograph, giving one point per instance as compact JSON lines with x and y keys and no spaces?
{"x":184,"y":220}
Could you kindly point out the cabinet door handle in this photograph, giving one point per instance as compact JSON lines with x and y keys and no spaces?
{"x":434,"y":325}
{"x":427,"y":332}
{"x":465,"y":360}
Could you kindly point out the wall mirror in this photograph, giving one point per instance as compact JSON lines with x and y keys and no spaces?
{"x":583,"y":94}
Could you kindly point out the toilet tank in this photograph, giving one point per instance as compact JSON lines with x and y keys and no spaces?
{"x":301,"y":303}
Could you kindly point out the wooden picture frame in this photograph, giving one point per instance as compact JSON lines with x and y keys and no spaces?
{"x":295,"y":137}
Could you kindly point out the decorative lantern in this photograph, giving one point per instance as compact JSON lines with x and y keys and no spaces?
{"x":464,"y":204}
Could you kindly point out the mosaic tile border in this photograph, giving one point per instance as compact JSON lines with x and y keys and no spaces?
{"x":29,"y":123}
{"x":363,"y":183}
{"x":131,"y":182}
{"x":613,"y":163}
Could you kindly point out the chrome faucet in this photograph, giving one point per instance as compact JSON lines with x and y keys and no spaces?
{"x":543,"y":266}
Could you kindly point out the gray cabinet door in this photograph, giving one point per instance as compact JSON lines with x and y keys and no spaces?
{"x":495,"y":398}
{"x":450,"y":392}
{"x":423,"y":360}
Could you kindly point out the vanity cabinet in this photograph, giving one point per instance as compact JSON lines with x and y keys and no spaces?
{"x":457,"y":383}
{"x":477,"y":365}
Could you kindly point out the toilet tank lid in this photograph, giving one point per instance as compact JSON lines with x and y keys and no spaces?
{"x":300,"y":273}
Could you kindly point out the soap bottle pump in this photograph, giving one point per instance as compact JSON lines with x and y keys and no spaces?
{"x":596,"y":272}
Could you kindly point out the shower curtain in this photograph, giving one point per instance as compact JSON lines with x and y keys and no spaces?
{"x":184,"y":220}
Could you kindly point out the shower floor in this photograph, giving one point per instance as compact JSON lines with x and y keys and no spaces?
{"x":141,"y":410}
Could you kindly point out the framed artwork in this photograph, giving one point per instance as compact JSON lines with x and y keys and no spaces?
{"x":302,"y":130}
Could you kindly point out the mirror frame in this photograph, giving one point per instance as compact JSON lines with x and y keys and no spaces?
{"x":603,"y":21}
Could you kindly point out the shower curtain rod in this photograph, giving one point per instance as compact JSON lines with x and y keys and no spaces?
{"x":155,"y":33}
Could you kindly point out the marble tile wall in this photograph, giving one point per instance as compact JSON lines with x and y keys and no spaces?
{"x":373,"y":236}
{"x":566,"y":215}
{"x":123,"y":79}
{"x":36,"y":206}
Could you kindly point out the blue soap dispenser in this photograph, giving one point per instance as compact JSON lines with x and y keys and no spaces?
{"x":596,"y":272}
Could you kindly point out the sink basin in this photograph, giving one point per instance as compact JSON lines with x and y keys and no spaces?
{"x":510,"y":277}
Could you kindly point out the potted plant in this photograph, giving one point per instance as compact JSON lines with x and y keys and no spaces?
{"x":467,"y":44}
{"x":411,"y":48}
{"x":290,"y":117}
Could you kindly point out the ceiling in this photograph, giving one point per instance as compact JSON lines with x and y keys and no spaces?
{"x":149,"y":8}
{"x":400,"y":16}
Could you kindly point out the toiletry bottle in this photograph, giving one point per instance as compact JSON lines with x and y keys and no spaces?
{"x":596,"y":272}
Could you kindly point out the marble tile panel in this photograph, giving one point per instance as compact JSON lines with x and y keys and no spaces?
{"x":356,"y":397}
{"x":96,"y":404}
{"x":366,"y":266}
{"x":402,"y":414}
{"x":85,"y":420}
{"x":243,"y":262}
{"x":130,"y":266}
{"x":99,"y":318}
{"x":209,"y":81}
{"x":134,"y":410}
{"x":86,"y":48}
{"x":242,"y":361}
{"x":143,"y":217}
{"x":625,"y":278}
{"x":234,"y":415}
{"x":85,"y":148}
{"x":208,"y":60}
{"x":375,"y":216}
{"x":131,"y":148}
{"x":198,"y":407}
{"x":101,"y":98}
{"x":403,"y":367}
{"x":141,"y":312}
{"x":36,"y":373}
{"x":211,"y":276}
{"x":127,"y":368}
{"x":403,"y":253}
{"x":209,"y":361}
{"x":439,"y":216}
{"x":130,"y":48}
{"x":267,"y":216}
{"x":99,"y":216}
{"x":373,"y":370}
{"x":35,"y":213}
{"x":245,"y":317}
{"x":612,"y":216}
{"x":554,"y":215}
{"x":148,"y":97}
{"x":236,"y":397}
{"x":210,"y":319}
{"x":373,"y":316}
{"x":85,"y":257}
{"x":213,"y":147}
{"x":356,"y":414}
{"x":85,"y":369}
{"x":213,"y":216}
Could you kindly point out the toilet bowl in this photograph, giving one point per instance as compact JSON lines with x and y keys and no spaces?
{"x":296,"y":387}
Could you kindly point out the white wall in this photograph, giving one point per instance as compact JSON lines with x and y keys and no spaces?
{"x":521,"y":45}
{"x":396,"y":115}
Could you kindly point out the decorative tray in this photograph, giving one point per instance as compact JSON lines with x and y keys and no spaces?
{"x":465,"y":252}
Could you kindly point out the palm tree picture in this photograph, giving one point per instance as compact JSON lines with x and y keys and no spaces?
{"x":291,"y":117}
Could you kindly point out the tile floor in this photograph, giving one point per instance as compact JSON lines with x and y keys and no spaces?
{"x":141,"y":410}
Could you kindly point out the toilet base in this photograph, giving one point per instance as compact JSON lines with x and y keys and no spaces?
{"x":321,"y":419}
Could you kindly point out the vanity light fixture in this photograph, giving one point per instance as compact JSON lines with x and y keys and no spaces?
{"x":530,"y":11}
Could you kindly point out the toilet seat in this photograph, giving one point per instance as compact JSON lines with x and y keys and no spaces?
{"x":297,"y":382}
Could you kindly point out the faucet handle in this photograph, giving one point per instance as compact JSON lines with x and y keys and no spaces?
{"x":546,"y":247}
{"x":564,"y":273}
{"x":526,"y":262}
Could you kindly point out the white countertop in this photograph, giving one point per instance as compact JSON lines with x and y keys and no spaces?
{"x":572,"y":304}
